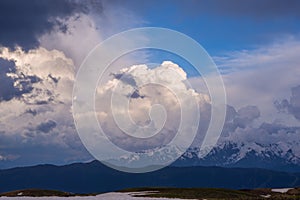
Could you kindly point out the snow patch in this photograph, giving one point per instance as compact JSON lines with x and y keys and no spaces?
{"x":281,"y":190}
{"x":105,"y":196}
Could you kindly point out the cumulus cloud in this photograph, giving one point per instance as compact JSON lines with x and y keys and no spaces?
{"x":48,"y":74}
{"x":39,"y":117}
{"x":291,"y":106}
{"x":246,"y":115}
{"x":145,"y":88}
{"x":241,"y":119}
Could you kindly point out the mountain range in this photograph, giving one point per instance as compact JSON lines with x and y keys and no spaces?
{"x":94,"y":177}
{"x":276,"y":156}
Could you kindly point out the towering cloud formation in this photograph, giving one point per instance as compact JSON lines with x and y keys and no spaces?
{"x":155,"y":99}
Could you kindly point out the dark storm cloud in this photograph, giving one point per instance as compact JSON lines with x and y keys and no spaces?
{"x":291,"y":106}
{"x":14,"y":84}
{"x":8,"y":87}
{"x":46,"y":127}
{"x":22,"y":22}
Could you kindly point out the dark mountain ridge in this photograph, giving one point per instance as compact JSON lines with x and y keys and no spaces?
{"x":95,"y":177}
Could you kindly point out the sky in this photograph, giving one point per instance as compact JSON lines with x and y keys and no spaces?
{"x":254,"y":44}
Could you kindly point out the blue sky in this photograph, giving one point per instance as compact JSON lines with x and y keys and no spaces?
{"x":255,"y":45}
{"x":225,"y":26}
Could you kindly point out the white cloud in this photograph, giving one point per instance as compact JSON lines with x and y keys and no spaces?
{"x":49,"y":99}
{"x":291,"y":106}
{"x":261,"y":76}
{"x":145,"y":88}
{"x":54,"y":69}
{"x":85,"y":31}
{"x":82,"y":36}
{"x":281,"y":53}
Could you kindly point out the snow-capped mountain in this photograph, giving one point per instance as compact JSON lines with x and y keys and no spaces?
{"x":278,"y":156}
